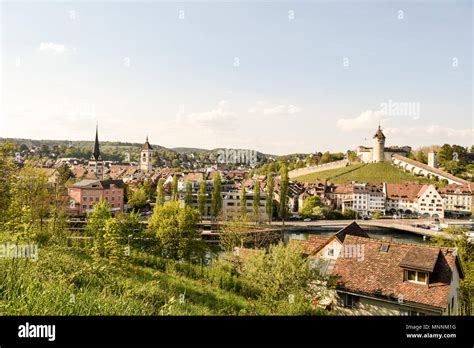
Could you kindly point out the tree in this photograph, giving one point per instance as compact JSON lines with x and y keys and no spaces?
{"x":325,"y":158}
{"x":318,"y":213}
{"x":235,"y":233}
{"x":420,"y":156}
{"x":30,"y":201}
{"x":7,"y":179}
{"x":111,"y":247}
{"x":174,"y":189}
{"x":349,"y":214}
{"x":243,"y":201}
{"x":44,"y":150}
{"x":465,"y":250}
{"x":202,"y":198}
{"x":283,"y":278}
{"x":256,"y":201}
{"x":160,"y":194}
{"x":138,"y":199}
{"x":445,"y":154}
{"x":309,"y":204}
{"x":351,"y":156}
{"x":175,"y":228}
{"x":269,"y":196}
{"x":460,"y":154}
{"x":283,"y":206}
{"x":148,"y":188}
{"x":129,"y":224}
{"x":64,"y":174}
{"x":188,"y":201}
{"x":216,"y":197}
{"x":96,"y":221}
{"x":377,"y":215}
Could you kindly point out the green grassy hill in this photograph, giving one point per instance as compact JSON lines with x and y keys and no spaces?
{"x":68,"y":281}
{"x":373,"y":172}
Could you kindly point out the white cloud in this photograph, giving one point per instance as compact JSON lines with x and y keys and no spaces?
{"x":365,"y":121}
{"x":263,"y":108}
{"x":51,"y":47}
{"x":433,"y":131}
{"x":219,"y":113}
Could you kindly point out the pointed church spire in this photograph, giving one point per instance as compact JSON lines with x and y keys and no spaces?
{"x":147,"y":145}
{"x":96,"y":154}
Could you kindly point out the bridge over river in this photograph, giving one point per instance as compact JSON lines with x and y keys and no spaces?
{"x":406,"y":225}
{"x":210,"y":231}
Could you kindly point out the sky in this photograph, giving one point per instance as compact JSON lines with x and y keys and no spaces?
{"x":275,"y":76}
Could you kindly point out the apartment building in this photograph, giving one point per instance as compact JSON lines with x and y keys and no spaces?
{"x":457,"y":200}
{"x":86,"y":193}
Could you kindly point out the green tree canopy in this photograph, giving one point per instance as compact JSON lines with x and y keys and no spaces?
{"x":202,"y":198}
{"x":188,"y":201}
{"x":175,"y":228}
{"x":243,"y":201}
{"x":269,"y":195}
{"x":216,"y":197}
{"x":138,"y":199}
{"x":284,"y":279}
{"x":160,"y":192}
{"x":309,"y":204}
{"x":256,"y":201}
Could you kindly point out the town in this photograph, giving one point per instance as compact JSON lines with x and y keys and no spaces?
{"x":259,"y":207}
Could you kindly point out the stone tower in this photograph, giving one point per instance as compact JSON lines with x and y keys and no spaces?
{"x":378,"y":154}
{"x":432,"y":159}
{"x":146,"y":156}
{"x":96,"y":164}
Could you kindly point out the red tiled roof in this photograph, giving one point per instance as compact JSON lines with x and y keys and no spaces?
{"x":406,"y":191}
{"x":313,"y":244}
{"x":421,"y":258}
{"x":453,"y":188}
{"x":379,"y":274}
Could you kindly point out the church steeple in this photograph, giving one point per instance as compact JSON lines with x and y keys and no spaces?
{"x":96,"y":165}
{"x":96,"y":154}
{"x":146,"y":156}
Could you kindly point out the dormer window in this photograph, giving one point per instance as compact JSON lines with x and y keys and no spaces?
{"x":418,"y":263}
{"x":416,"y":277}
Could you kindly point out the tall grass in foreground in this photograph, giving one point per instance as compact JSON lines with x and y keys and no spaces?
{"x":66,"y":281}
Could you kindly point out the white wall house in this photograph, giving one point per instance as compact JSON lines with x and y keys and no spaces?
{"x":429,"y":202}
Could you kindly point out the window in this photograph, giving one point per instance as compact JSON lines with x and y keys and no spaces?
{"x":347,"y":300}
{"x":331,"y":252}
{"x":421,"y":277}
{"x":416,"y":277}
{"x":411,"y":275}
{"x":410,"y":312}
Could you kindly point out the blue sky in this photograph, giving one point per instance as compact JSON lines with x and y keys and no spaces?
{"x":278,"y":77}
